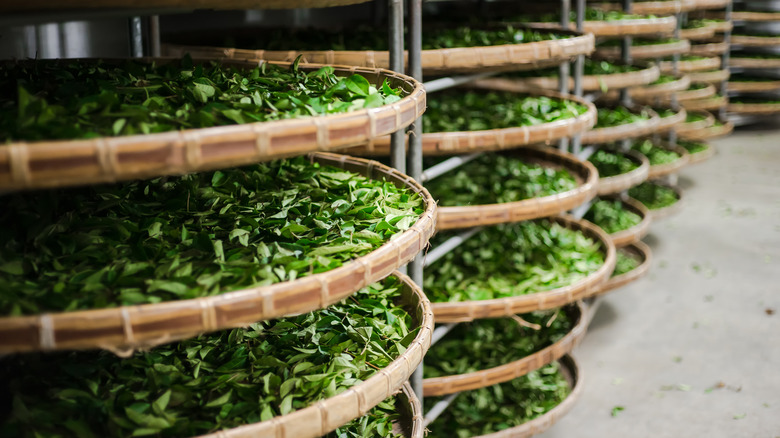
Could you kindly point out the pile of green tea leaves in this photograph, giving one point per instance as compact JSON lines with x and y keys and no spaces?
{"x":653,"y":196}
{"x":695,"y":117}
{"x":459,"y":110}
{"x":496,"y":179}
{"x":213,"y":382}
{"x":655,"y":154}
{"x":665,"y":112}
{"x":608,"y":117}
{"x":757,"y":55}
{"x":511,"y":260}
{"x":639,"y":42}
{"x":72,"y":99}
{"x":488,"y":343}
{"x":697,"y":86}
{"x":664,"y":79}
{"x":754,"y":100}
{"x":745,"y":78}
{"x":699,"y":23}
{"x":612,"y":216}
{"x":503,"y":406}
{"x":591,"y":67}
{"x":626,"y":262}
{"x":192,"y":236}
{"x":377,"y":423}
{"x":611,"y":163}
{"x":591,"y":14}
{"x":693,"y":147}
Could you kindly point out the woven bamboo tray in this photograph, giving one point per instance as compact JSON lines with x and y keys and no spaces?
{"x":326,"y":415}
{"x":411,"y":424}
{"x":706,"y":64}
{"x":27,"y":165}
{"x":754,"y":108}
{"x":755,"y":16}
{"x":615,"y":81}
{"x":753,"y":87}
{"x":533,"y":208}
{"x":638,"y":231}
{"x":644,"y":7}
{"x":711,"y":48}
{"x":629,"y":130}
{"x":736,"y":61}
{"x":668,"y":123}
{"x":496,"y":308}
{"x":647,"y":52}
{"x":624,"y":181}
{"x":629,"y":27}
{"x":122,"y":329}
{"x":755,"y":41}
{"x":649,"y":92}
{"x":444,"y":385}
{"x":711,"y":103}
{"x":698,"y":125}
{"x":702,"y":156}
{"x":439,"y":61}
{"x":459,"y":142}
{"x":711,"y":77}
{"x":571,"y":370}
{"x":682,"y":96}
{"x":698,"y":33}
{"x":641,"y":251}
{"x":709,"y":133}
{"x":695,"y":5}
{"x":34,"y":6}
{"x":661,"y":170}
{"x":662,"y":213}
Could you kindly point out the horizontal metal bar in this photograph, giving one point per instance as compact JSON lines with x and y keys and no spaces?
{"x":438,"y":408}
{"x":448,"y":245}
{"x":447,"y":165}
{"x":441,"y":330}
{"x":586,"y":152}
{"x":453,"y":81}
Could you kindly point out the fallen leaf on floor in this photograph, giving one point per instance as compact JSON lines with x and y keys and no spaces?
{"x":766,"y":405}
{"x":677,"y":359}
{"x":769,"y":311}
{"x":617,"y":409}
{"x":739,"y":416}
{"x":617,"y":381}
{"x":708,"y":298}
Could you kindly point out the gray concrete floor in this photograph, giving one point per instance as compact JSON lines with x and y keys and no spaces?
{"x":693,"y":349}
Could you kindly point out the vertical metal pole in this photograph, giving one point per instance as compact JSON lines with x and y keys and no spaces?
{"x":724,"y":60}
{"x":626,"y":53}
{"x":154,"y":35}
{"x":563,"y":69}
{"x":136,"y":38}
{"x":675,"y":105}
{"x":415,"y":150}
{"x":395,"y":14}
{"x":579,"y":71}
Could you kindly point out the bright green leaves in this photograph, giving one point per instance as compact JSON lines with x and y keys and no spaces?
{"x":612,"y":216}
{"x":618,"y":116}
{"x":626,"y":262}
{"x":497,"y":178}
{"x":510,"y":260}
{"x":611,"y":163}
{"x":69,"y":99}
{"x":217,"y":381}
{"x":192,"y":236}
{"x":655,"y":154}
{"x":460,"y":110}
{"x":653,"y":196}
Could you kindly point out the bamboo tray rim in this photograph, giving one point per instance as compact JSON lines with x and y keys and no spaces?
{"x":749,"y":86}
{"x":662,"y":213}
{"x":661,"y":170}
{"x":444,"y":385}
{"x":328,"y":414}
{"x":465,"y":311}
{"x":691,"y":5}
{"x":679,"y":84}
{"x":710,"y":132}
{"x":613,"y":81}
{"x":744,"y":62}
{"x":691,"y":66}
{"x":483,"y":58}
{"x":59,"y":163}
{"x":618,"y":183}
{"x":704,"y":155}
{"x":637,"y":232}
{"x":627,"y":130}
{"x":649,"y":51}
{"x":415,"y":427}
{"x":532,"y":208}
{"x":669,"y":123}
{"x":458,"y":142}
{"x":754,"y":108}
{"x":711,"y":77}
{"x":709,"y":103}
{"x":755,"y":16}
{"x":125,"y":328}
{"x":623,"y":27}
{"x":699,"y":93}
{"x":755,"y":40}
{"x":642,"y":250}
{"x":697,"y":125}
{"x":698,"y":33}
{"x":573,"y":374}
{"x":17,"y":6}
{"x":710,"y":49}
{"x":644,"y":7}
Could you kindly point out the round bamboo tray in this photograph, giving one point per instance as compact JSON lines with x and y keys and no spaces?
{"x":327,"y":415}
{"x":459,"y":142}
{"x":34,"y":6}
{"x":438,"y":61}
{"x":538,"y":425}
{"x":714,"y":77}
{"x":755,"y":16}
{"x":682,"y":96}
{"x":638,"y":231}
{"x":411,"y":424}
{"x":615,"y":81}
{"x":711,"y":103}
{"x":667,"y":7}
{"x":627,"y":27}
{"x":533,"y":208}
{"x":648,"y":52}
{"x":698,"y":125}
{"x":701,"y":156}
{"x":695,"y":5}
{"x":705,"y":64}
{"x":661,"y":170}
{"x":500,"y":307}
{"x":662,"y":213}
{"x":736,"y":61}
{"x":697,"y":33}
{"x":46,"y":164}
{"x":650,"y":92}
{"x":123,"y":329}
{"x":711,"y":48}
{"x":668,"y":123}
{"x":753,"y":87}
{"x":755,"y":41}
{"x":624,"y":181}
{"x":444,"y":385}
{"x":754,"y":108}
{"x":709,"y":133}
{"x":619,"y":132}
{"x":642,"y":252}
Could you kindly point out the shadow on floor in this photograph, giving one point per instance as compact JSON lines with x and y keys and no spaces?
{"x":604,"y":317}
